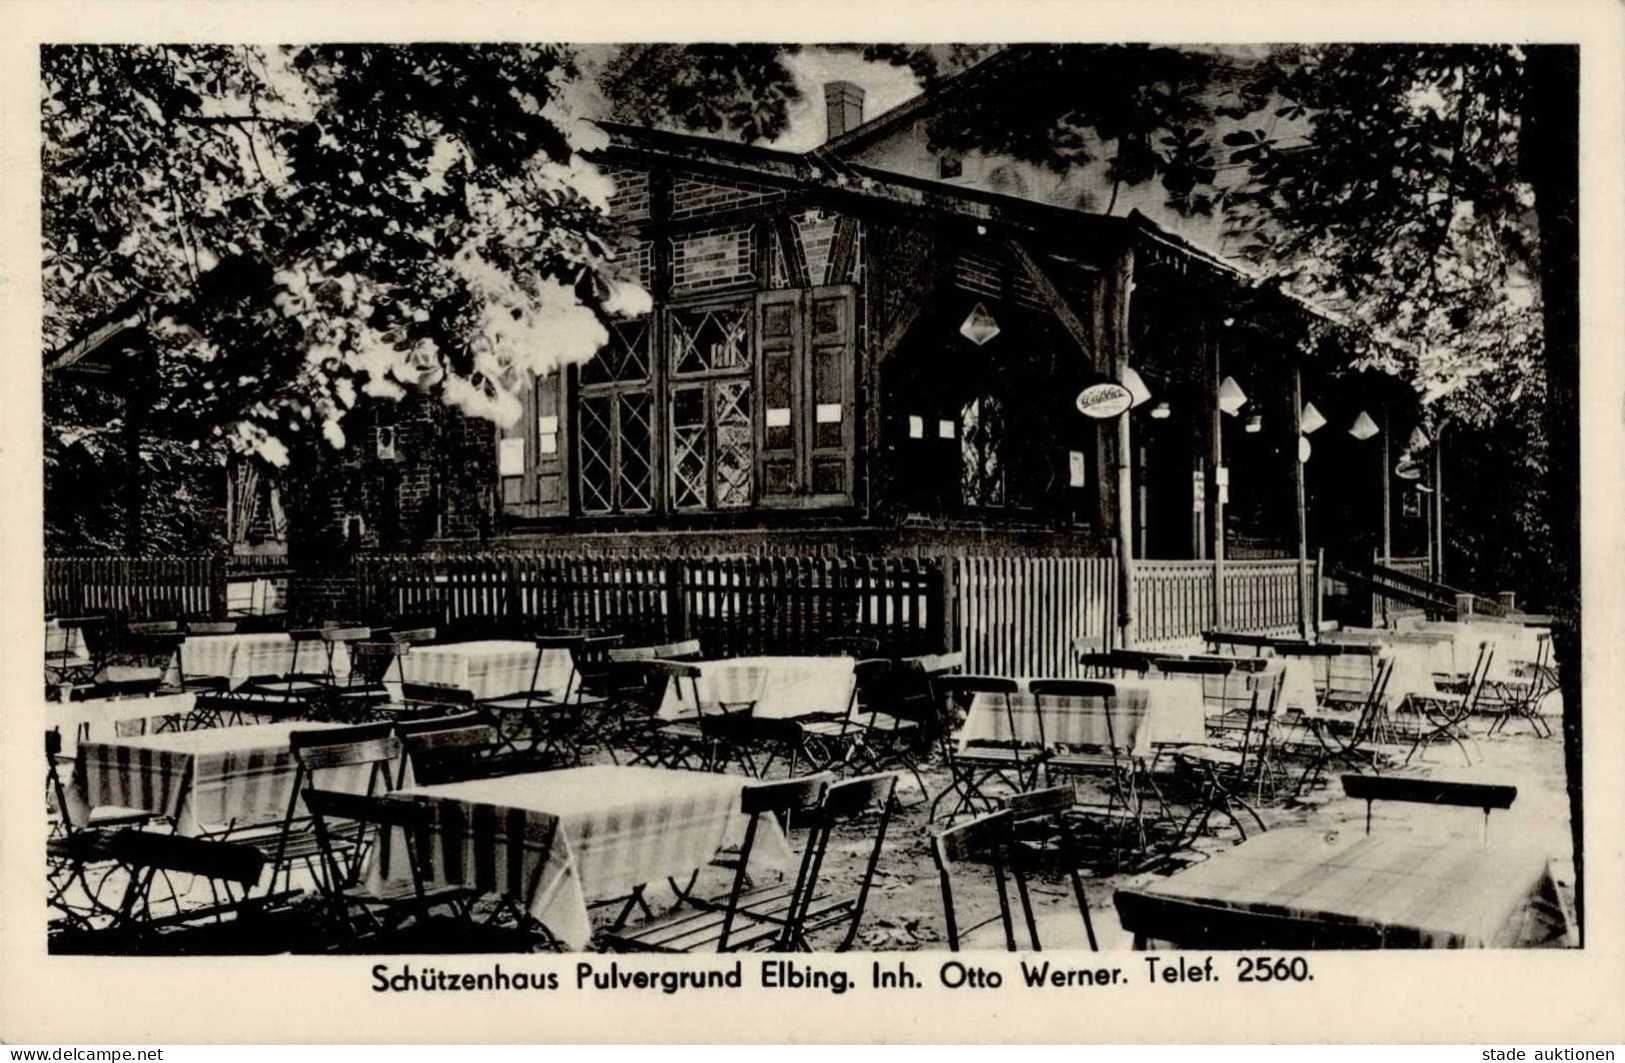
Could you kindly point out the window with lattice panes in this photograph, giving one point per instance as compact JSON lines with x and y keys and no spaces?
{"x":617,"y":424}
{"x":712,"y":431}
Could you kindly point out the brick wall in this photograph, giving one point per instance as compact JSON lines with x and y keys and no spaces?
{"x":714,"y":258}
{"x":816,"y":230}
{"x":692,"y":196}
{"x":630,"y":202}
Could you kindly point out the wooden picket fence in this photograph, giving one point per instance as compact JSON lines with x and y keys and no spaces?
{"x":1175,"y":600}
{"x":734,"y":605}
{"x":140,"y":588}
{"x":1009,"y":615}
{"x":1022,"y":615}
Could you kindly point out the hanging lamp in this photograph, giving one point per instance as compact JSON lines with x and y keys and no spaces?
{"x":1312,"y":418}
{"x":1364,"y":427}
{"x":979,"y":326}
{"x":1138,"y":392}
{"x":1231,"y":397}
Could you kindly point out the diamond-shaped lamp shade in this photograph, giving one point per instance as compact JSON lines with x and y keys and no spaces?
{"x":1419,"y":440}
{"x":1303,"y":449}
{"x":1137,"y":390}
{"x":1364,"y":427}
{"x":1312,"y":418}
{"x":1231,"y":397}
{"x":979,"y":326}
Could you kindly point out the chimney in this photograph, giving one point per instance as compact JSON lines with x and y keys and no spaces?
{"x":843,"y":102}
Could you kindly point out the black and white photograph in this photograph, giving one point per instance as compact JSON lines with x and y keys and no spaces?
{"x":701,"y":497}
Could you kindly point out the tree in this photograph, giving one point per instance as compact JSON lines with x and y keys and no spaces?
{"x":303,"y":228}
{"x":1427,"y":191}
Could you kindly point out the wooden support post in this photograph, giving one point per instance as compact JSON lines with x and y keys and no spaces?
{"x":1117,"y":334}
{"x":1387,"y":500}
{"x":1216,"y":442}
{"x":1438,"y":506}
{"x":1303,"y":507}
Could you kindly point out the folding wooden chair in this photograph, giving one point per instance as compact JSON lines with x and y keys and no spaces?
{"x":988,"y":839}
{"x":1049,"y":810}
{"x":1519,"y":697}
{"x":1344,"y":740}
{"x":80,"y":653}
{"x":869,"y":739}
{"x":1015,"y":761}
{"x":368,"y":750}
{"x":1319,"y":655}
{"x":1108,"y":757}
{"x":806,"y":906}
{"x":230,"y":870}
{"x":675,"y":743}
{"x":1227,"y":767}
{"x":71,"y":850}
{"x":721,"y":925}
{"x":148,"y":649}
{"x":366,"y":913}
{"x":1444,"y":717}
{"x":1236,"y":644}
{"x":449,"y":749}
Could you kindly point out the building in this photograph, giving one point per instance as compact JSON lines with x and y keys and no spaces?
{"x":849,"y":356}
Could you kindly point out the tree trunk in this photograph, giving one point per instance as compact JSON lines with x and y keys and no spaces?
{"x":1549,"y":151}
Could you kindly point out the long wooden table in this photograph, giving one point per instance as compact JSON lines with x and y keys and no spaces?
{"x":1396,"y":889}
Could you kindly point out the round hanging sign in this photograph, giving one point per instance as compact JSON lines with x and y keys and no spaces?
{"x":1303,"y":449}
{"x":1102,"y":401}
{"x":1408,"y":471}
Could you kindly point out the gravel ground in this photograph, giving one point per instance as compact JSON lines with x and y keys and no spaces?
{"x":904,"y":910}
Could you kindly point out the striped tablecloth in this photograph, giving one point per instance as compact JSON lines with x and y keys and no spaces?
{"x":105,"y":719}
{"x":489,"y":668}
{"x":617,"y":828}
{"x":1433,"y":650}
{"x":65,"y":645}
{"x":266,"y":653}
{"x":1420,"y":891}
{"x":781,"y":687}
{"x":205,"y":780}
{"x":1143,"y":714}
{"x":1516,"y":646}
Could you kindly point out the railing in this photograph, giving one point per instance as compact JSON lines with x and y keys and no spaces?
{"x":136,"y":587}
{"x":734,"y":605}
{"x":1174,"y":600}
{"x":1386,"y":609}
{"x":1021,"y":615}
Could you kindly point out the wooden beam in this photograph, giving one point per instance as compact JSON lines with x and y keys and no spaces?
{"x":740,"y":216}
{"x":843,"y":252}
{"x":795,"y":259}
{"x":1055,"y":300}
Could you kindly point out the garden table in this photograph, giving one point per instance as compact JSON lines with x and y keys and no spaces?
{"x":1144,"y":713}
{"x":209,"y":780}
{"x":1415,"y":890}
{"x":490,"y":668}
{"x":781,"y":687}
{"x":609,"y":830}
{"x":263,"y":653}
{"x":100,"y":718}
{"x":1433,"y":650}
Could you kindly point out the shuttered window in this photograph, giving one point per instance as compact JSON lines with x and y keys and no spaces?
{"x":805,"y":376}
{"x":532,"y":455}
